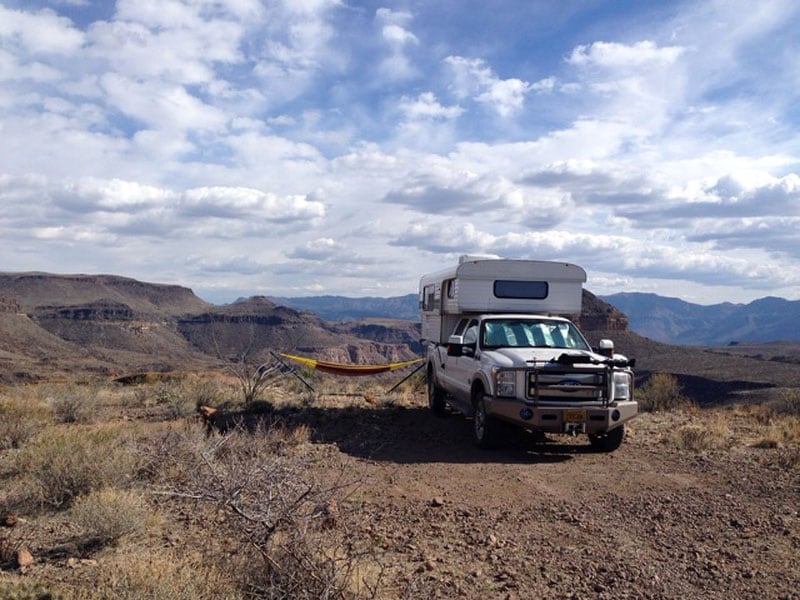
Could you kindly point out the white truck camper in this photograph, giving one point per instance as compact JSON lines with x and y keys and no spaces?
{"x":500,"y":349}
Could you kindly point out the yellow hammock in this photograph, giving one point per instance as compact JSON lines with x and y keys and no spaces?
{"x":352,"y":370}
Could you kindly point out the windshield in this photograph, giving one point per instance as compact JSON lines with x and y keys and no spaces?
{"x":531,"y":333}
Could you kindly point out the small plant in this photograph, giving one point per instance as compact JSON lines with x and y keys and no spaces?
{"x":661,"y":392}
{"x":109,"y":514}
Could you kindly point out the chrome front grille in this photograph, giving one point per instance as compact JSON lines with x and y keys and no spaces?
{"x":566,"y":385}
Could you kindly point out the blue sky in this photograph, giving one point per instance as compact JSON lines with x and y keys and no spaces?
{"x":307,"y":147}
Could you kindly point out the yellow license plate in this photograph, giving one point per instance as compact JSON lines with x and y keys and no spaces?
{"x":574,"y":416}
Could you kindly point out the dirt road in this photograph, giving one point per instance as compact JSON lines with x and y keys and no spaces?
{"x":556,"y":521}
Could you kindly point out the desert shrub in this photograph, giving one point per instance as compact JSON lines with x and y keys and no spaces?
{"x":109,"y":514}
{"x":661,"y":392}
{"x":273,"y":504}
{"x":20,"y":421}
{"x":710,"y":434}
{"x":74,"y":404}
{"x":62,"y":463}
{"x":306,"y":564}
{"x":171,"y":395}
{"x":788,"y":402}
{"x":208,"y":391}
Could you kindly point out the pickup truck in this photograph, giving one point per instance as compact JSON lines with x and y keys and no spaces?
{"x":534,"y":371}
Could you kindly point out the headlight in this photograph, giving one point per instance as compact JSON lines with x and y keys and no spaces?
{"x":506,"y":385}
{"x":622,"y":386}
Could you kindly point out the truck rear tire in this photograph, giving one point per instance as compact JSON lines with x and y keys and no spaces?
{"x":608,"y":441}
{"x":485,"y":427}
{"x":436,"y":402}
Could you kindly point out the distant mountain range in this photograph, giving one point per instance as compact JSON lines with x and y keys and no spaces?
{"x":675,"y":321}
{"x":341,"y":308}
{"x":668,"y":320}
{"x":596,"y":315}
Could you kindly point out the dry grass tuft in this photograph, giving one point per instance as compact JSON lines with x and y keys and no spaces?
{"x":156,"y":574}
{"x":761,"y":414}
{"x":713,"y":433}
{"x":109,"y":514}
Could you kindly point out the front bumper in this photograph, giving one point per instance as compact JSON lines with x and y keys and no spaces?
{"x":563,"y":417}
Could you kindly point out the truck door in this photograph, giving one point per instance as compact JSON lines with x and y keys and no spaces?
{"x":463,"y":368}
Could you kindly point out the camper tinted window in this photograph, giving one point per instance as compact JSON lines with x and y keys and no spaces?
{"x":529,"y":290}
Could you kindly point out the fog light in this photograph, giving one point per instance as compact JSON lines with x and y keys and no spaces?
{"x":615,"y":415}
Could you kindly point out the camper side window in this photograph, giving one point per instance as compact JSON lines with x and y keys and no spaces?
{"x":428,"y":296}
{"x":451,"y":288}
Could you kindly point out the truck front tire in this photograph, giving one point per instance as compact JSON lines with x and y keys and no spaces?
{"x":436,"y":402}
{"x":608,"y":441}
{"x":485,"y":427}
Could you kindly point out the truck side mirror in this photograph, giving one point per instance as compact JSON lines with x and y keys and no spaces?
{"x":455,"y":345}
{"x":606,"y":348}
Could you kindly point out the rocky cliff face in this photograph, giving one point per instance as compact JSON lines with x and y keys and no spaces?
{"x":102,"y":310}
{"x":597,"y":315}
{"x":32,"y":290}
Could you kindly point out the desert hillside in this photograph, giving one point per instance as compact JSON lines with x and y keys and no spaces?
{"x":68,"y":325}
{"x":104,"y":325}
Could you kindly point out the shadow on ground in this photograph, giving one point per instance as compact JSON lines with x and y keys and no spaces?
{"x":705,"y":391}
{"x":411,"y":435}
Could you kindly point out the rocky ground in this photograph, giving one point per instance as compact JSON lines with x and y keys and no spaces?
{"x":556,"y":521}
{"x":439,"y":518}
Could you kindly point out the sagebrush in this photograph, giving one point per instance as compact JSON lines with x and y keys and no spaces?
{"x":661,"y":392}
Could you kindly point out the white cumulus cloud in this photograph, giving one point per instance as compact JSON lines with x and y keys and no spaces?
{"x":473,"y":78}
